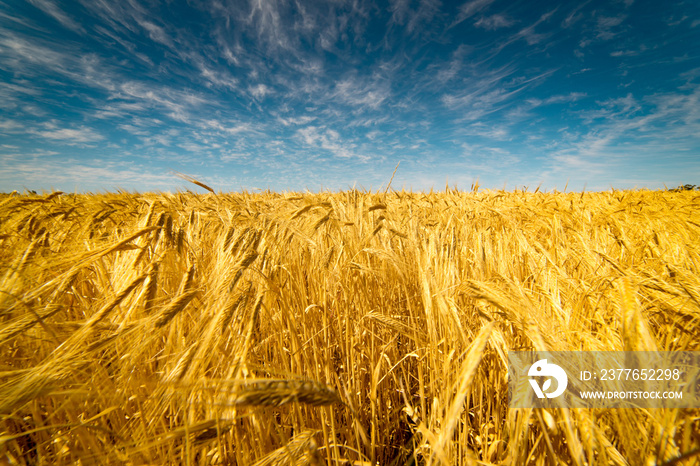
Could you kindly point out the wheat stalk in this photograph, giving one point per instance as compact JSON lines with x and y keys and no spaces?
{"x":277,"y":392}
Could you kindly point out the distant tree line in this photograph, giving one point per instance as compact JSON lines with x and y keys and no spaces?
{"x":686,"y":187}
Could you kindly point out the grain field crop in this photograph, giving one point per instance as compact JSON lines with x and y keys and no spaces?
{"x":350,"y":328}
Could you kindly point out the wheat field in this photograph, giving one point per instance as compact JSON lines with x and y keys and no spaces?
{"x":349,"y":328}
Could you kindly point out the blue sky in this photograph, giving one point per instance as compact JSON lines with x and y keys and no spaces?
{"x":287,"y":95}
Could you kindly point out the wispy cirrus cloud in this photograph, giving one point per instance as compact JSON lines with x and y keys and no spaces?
{"x":469,"y":9}
{"x":130,"y":17}
{"x":70,"y":135}
{"x":298,"y":121}
{"x":231,"y":128}
{"x":557,"y":99}
{"x":362,"y":92}
{"x":491,"y":93}
{"x":494,"y":22}
{"x":608,"y":26}
{"x":176,"y":104}
{"x":329,"y":140}
{"x":10,"y":126}
{"x":529,"y":33}
{"x":47,"y":171}
{"x":416,"y":19}
{"x":259,"y":91}
{"x":624,"y":128}
{"x":50,"y":8}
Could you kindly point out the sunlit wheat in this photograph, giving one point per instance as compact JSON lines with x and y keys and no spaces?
{"x":354,"y":328}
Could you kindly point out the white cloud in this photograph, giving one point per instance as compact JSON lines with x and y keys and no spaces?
{"x":266,"y":18}
{"x":579,"y":162}
{"x":177,"y":104}
{"x":232,"y":155}
{"x":21,"y":50}
{"x":572,"y":19}
{"x":126,"y":44}
{"x":329,"y":140}
{"x":494,"y":22}
{"x":470,"y":8}
{"x":259,"y":91}
{"x":135,"y":130}
{"x":125,"y":109}
{"x":230,"y":129}
{"x":51,"y":9}
{"x":128,"y":18}
{"x":607,"y":25}
{"x":33,"y":59}
{"x":623,"y":53}
{"x":529,"y":34}
{"x":10,"y":126}
{"x":362,"y":92}
{"x":192,"y":147}
{"x":486,"y":159}
{"x":70,"y":136}
{"x":480,"y":96}
{"x":309,"y":135}
{"x":414,"y":20}
{"x":156,"y":33}
{"x":298,"y":121}
{"x":368,"y":122}
{"x":557,"y":99}
{"x":629,"y":135}
{"x":219,"y":78}
{"x":67,"y":174}
{"x":372,"y":135}
{"x":16,"y":19}
{"x":497,"y":133}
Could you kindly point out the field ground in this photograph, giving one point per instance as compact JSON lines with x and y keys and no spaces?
{"x":350,"y":328}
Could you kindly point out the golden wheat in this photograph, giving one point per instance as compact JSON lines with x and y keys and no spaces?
{"x":334,"y":328}
{"x":276,"y":392}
